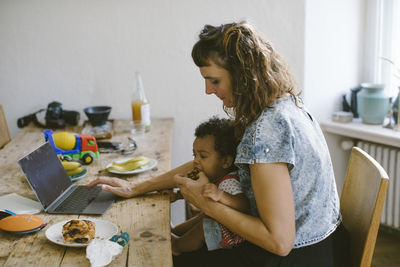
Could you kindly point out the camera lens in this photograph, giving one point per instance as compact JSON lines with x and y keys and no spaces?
{"x":22,"y":122}
{"x":71,"y":117}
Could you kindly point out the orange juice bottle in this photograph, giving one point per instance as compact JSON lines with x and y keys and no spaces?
{"x":140,"y":106}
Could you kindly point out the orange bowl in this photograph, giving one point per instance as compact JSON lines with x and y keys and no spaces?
{"x":20,"y":223}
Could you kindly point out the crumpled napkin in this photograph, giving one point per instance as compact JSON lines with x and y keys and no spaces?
{"x":102,"y":252}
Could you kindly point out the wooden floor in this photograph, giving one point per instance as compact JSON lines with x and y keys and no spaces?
{"x":387,"y":249}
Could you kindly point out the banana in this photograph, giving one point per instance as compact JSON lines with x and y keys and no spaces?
{"x":70,"y":165}
{"x":75,"y":171}
{"x":140,"y":158}
{"x":128,"y":166}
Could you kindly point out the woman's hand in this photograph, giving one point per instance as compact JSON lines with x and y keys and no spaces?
{"x":116,"y":186}
{"x":127,"y":189}
{"x":211,"y":191}
{"x":192,"y":189}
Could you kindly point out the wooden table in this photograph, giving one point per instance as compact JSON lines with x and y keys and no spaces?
{"x":145,"y":218}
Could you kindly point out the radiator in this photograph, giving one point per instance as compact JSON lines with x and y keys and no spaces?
{"x":389,"y":158}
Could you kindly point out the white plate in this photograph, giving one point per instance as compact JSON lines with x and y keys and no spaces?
{"x":79,"y":176}
{"x":104,"y":230}
{"x":152,"y":163}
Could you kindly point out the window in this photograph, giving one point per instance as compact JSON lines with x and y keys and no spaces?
{"x":383,"y":44}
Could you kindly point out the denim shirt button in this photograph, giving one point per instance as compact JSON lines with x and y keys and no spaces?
{"x":266,"y":150}
{"x":244,"y":150}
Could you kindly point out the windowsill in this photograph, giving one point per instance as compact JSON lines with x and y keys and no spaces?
{"x":358,"y":130}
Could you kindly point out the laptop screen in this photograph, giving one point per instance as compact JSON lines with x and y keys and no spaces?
{"x":45,"y":174}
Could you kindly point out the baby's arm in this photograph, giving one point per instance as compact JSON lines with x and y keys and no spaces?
{"x":238,"y":202}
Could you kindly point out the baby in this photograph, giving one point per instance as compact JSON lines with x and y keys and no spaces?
{"x":214,"y":150}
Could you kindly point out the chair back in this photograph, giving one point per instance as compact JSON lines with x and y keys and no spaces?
{"x":4,"y":133}
{"x":361,"y":204}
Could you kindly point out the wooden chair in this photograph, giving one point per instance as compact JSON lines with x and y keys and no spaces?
{"x":4,"y":133}
{"x":361,"y":202}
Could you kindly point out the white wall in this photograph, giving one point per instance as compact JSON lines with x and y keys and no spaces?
{"x":84,"y":53}
{"x":333,"y":61}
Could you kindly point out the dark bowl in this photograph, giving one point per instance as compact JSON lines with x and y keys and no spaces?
{"x":97,"y":115}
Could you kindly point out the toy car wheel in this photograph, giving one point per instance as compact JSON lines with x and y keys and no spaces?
{"x":87,"y":159}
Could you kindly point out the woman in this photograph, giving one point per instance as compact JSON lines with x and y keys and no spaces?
{"x":284,"y":164}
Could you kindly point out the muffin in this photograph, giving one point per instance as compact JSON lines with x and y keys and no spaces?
{"x":78,"y":231}
{"x":193,"y":174}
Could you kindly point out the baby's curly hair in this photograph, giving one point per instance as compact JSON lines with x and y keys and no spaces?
{"x":223,"y":131}
{"x":258,"y":73}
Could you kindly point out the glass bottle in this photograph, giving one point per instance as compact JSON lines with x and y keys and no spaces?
{"x":395,"y":108}
{"x":140,"y":107}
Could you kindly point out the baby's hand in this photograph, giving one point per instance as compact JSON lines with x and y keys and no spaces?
{"x":212,"y":191}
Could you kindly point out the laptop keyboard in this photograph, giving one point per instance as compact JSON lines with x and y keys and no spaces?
{"x":79,"y":199}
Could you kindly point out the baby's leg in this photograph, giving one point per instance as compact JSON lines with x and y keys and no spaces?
{"x":191,"y":240}
{"x":182,"y":228}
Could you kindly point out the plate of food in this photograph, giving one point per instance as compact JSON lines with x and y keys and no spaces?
{"x":80,"y":232}
{"x":78,"y":176}
{"x":131,"y":165}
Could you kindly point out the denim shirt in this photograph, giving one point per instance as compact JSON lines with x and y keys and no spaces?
{"x":287,"y":133}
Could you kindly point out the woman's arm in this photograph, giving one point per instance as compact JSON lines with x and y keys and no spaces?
{"x":128,"y":189}
{"x":275,"y":229}
{"x":238,"y":202}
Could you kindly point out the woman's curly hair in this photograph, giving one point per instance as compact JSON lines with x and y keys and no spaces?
{"x":259,"y":75}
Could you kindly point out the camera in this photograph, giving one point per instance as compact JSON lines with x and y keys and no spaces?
{"x":55,"y":117}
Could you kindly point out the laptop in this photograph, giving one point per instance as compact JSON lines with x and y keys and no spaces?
{"x":54,"y":189}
